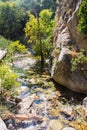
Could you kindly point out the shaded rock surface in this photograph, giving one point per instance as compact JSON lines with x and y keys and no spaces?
{"x":67,"y":39}
{"x":2,"y":125}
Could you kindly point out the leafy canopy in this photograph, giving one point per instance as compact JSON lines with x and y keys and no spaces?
{"x":11,"y":19}
{"x":43,"y":25}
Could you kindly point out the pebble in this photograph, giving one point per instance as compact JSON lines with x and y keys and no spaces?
{"x":44,"y":124}
{"x":11,"y":127}
{"x":85,"y":101}
{"x":55,"y":125}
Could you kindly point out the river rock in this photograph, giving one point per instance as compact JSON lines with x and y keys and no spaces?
{"x":85,"y":102}
{"x":67,"y":110}
{"x":2,"y":54}
{"x":25,"y":63}
{"x":11,"y":127}
{"x":2,"y":125}
{"x":85,"y":106}
{"x":55,"y":125}
{"x":67,"y":39}
{"x":68,"y":128}
{"x":44,"y":124}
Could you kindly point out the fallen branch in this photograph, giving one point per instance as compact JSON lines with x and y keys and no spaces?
{"x":24,"y":117}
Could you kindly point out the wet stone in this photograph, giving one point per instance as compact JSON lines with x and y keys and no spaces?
{"x":68,"y":128}
{"x":85,"y":102}
{"x":11,"y":127}
{"x":10,"y":121}
{"x":67,"y":110}
{"x":44,"y":124}
{"x":55,"y":125}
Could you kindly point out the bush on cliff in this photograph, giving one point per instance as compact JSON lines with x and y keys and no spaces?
{"x":82,"y":14}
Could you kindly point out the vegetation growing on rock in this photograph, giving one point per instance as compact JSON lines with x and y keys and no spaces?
{"x":82,"y":13}
{"x":79,"y":61}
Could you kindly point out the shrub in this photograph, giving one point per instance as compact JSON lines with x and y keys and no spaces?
{"x":4,"y":42}
{"x":8,"y":79}
{"x":82,"y":14}
{"x":79,"y":61}
{"x":15,"y":47}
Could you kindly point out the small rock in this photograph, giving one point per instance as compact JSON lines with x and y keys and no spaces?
{"x":39,"y":90}
{"x":68,"y":128}
{"x":67,"y":110}
{"x":10,"y":121}
{"x":11,"y":127}
{"x":85,"y":102}
{"x":55,"y":125}
{"x":18,"y":99}
{"x":44,"y":124}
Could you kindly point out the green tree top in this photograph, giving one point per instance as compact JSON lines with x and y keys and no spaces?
{"x":45,"y":26}
{"x":11,"y":19}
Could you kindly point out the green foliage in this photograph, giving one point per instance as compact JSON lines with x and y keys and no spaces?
{"x":38,"y":5}
{"x":56,"y":52}
{"x":47,"y":47}
{"x":15,"y":47}
{"x":12,"y":19}
{"x":43,"y":25}
{"x":79,"y":61}
{"x":82,"y":13}
{"x":4,"y":43}
{"x":8,"y":79}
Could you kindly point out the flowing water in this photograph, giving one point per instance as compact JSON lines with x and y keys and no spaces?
{"x":50,"y":107}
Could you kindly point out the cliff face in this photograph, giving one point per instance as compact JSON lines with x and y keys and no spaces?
{"x":66,"y":35}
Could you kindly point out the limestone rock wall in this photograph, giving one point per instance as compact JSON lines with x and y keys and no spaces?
{"x":66,"y":35}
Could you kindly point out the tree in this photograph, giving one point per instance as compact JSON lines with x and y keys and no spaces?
{"x":50,"y":4}
{"x":39,"y":30}
{"x":11,"y":20}
{"x":82,"y":13}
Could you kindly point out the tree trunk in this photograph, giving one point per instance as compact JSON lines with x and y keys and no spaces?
{"x":39,"y":37}
{"x":41,"y":48}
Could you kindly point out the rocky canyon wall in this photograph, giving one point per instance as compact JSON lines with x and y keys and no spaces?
{"x":67,"y":39}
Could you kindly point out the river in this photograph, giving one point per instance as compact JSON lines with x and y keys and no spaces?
{"x":60,"y":108}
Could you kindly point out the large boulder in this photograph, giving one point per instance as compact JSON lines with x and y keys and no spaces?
{"x":66,"y":37}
